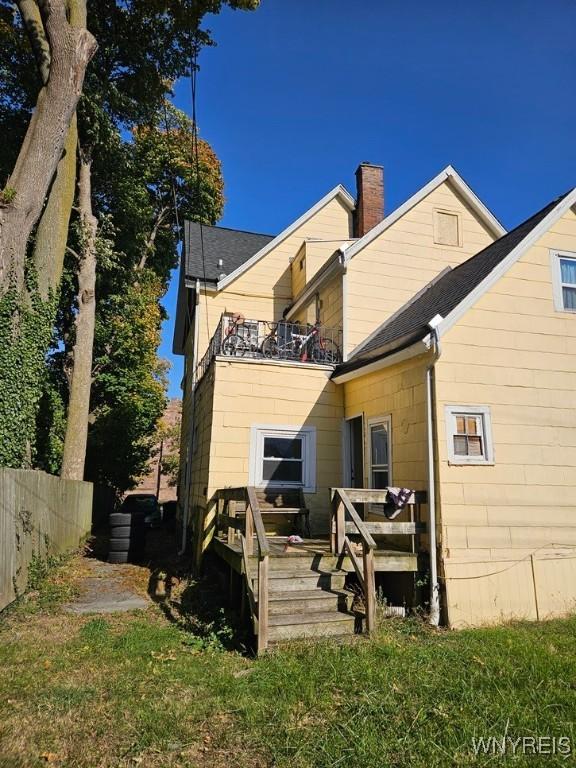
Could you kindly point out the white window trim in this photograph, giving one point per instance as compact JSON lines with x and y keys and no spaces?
{"x":555,"y":257}
{"x":308,"y":434}
{"x":472,"y":410}
{"x":368,"y":450}
{"x":435,"y":224}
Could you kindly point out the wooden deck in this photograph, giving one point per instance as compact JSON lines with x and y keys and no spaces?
{"x":316,"y":550}
{"x":300,"y":590}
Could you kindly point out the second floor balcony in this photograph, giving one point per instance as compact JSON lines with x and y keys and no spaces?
{"x":241,"y":338}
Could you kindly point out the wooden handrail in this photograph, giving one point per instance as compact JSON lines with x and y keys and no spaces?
{"x":341,"y":544}
{"x":389,"y":528}
{"x":258,"y":523}
{"x":379,"y":496}
{"x":356,"y":519}
{"x":247,"y":525}
{"x":355,"y":562}
{"x":249,"y":590}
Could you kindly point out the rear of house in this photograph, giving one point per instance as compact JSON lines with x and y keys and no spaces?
{"x":431,"y":368}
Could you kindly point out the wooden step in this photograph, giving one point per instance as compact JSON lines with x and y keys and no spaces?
{"x":309,"y":601}
{"x":300,"y":625}
{"x":299,"y":563}
{"x":284,"y":581}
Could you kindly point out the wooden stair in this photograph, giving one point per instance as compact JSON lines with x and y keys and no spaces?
{"x":307,"y":599}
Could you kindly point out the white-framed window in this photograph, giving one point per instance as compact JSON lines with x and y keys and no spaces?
{"x":447,"y":228}
{"x":379,"y":435}
{"x":283,"y":456}
{"x":469,"y":434}
{"x":564,"y":280}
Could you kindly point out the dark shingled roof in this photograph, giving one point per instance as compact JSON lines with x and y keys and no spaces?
{"x":233,"y":246}
{"x":441,"y":296}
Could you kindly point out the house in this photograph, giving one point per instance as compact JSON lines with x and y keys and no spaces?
{"x":354,"y":352}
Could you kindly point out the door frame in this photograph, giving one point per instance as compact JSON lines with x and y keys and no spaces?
{"x":347,"y":453}
{"x":387,"y":419}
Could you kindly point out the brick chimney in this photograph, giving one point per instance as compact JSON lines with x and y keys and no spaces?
{"x":369,"y":198}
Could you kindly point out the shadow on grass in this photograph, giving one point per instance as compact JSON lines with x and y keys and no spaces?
{"x":198,"y":605}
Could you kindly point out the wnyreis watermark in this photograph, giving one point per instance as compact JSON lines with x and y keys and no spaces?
{"x":522,"y":745}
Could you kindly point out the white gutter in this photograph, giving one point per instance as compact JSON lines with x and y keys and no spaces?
{"x":418,"y":348}
{"x":434,"y":618}
{"x":189,"y":448}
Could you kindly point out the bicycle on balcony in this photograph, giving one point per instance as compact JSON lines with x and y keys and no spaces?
{"x":241,"y":337}
{"x":285,"y":343}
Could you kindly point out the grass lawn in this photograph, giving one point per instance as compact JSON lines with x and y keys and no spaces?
{"x":141,"y":690}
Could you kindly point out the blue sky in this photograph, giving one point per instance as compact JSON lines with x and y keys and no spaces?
{"x":297,"y":93}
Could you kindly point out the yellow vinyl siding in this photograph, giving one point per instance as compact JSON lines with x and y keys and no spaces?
{"x":199,"y":456}
{"x":265,"y":290}
{"x":186,"y":424}
{"x":516,"y":520}
{"x":250,"y":393}
{"x":403,"y":259}
{"x":399,"y":392}
{"x":331,"y":303}
{"x":299,"y":271}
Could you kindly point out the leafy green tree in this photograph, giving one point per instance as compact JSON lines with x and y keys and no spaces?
{"x":144,"y":46}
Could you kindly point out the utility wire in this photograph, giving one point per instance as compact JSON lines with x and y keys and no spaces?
{"x":195,"y":144}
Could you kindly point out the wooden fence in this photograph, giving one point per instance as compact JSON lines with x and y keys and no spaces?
{"x":40,"y":515}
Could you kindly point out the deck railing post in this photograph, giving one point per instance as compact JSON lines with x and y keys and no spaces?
{"x":249,"y":531}
{"x":231,"y":513}
{"x":263,"y":604}
{"x":340,"y":526}
{"x":333,"y":499}
{"x":369,"y":587}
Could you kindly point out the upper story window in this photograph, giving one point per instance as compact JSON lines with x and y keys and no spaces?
{"x":447,"y":228}
{"x":469,"y":434}
{"x":564,"y":280}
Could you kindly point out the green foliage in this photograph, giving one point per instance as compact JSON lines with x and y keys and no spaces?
{"x":25,"y":333}
{"x":7,"y":196}
{"x":128,"y":392}
{"x":144,"y":47}
{"x":51,"y":420}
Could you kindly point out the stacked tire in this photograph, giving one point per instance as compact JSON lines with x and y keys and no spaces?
{"x":127,"y":537}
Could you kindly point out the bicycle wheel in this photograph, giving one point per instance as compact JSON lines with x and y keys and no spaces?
{"x":234,"y":346}
{"x":326,"y":351}
{"x":270,"y":347}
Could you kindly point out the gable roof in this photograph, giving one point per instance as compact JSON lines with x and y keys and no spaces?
{"x":233,"y":246}
{"x":453,"y":292}
{"x":450,"y":175}
{"x":338,"y":192}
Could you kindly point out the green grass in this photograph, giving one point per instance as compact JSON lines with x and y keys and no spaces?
{"x":140,"y":690}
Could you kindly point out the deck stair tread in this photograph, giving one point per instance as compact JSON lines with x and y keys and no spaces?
{"x":309,"y":594}
{"x":297,"y":573}
{"x":322,"y":617}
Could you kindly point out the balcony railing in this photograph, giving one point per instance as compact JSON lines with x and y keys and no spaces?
{"x":239,"y":338}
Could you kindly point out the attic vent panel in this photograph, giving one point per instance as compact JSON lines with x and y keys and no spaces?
{"x":447,"y":230}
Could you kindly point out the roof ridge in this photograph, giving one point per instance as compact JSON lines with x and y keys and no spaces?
{"x":452,"y":288}
{"x":550,"y":205}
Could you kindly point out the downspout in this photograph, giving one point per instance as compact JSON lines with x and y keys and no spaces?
{"x":191,"y":437}
{"x":434,"y":618}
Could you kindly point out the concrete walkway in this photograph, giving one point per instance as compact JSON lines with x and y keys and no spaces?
{"x":105,"y":590}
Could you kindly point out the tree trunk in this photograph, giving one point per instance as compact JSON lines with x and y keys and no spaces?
{"x":71,"y":49}
{"x":52,"y":231}
{"x":81,"y":378}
